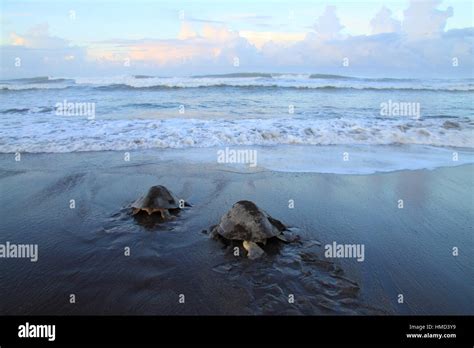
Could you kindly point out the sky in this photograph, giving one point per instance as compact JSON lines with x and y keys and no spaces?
{"x":179,"y":37}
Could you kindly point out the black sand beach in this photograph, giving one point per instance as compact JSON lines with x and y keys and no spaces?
{"x":81,"y":251}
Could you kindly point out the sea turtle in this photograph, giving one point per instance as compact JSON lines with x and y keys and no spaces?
{"x":158,"y":199}
{"x":248,"y":223}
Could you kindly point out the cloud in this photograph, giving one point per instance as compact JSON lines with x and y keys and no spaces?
{"x":213,"y":44}
{"x":393,"y":49}
{"x":259,"y":38}
{"x":384,"y":23}
{"x":388,"y":54}
{"x":328,"y":26}
{"x":39,"y":53}
{"x":423,"y":19}
{"x":186,"y":31}
{"x":218,"y":34}
{"x":38,"y":37}
{"x":202,"y":20}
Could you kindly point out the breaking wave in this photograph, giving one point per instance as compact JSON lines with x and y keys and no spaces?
{"x":82,"y":135}
{"x":240,"y":80}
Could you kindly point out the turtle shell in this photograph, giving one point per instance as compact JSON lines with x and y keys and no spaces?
{"x":246,"y":221}
{"x":158,"y":197}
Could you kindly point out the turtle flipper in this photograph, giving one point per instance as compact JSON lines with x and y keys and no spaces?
{"x":288,"y":237}
{"x":254,"y":251}
{"x":165,"y":214}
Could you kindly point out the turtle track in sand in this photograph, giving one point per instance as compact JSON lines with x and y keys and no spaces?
{"x":319,"y":286}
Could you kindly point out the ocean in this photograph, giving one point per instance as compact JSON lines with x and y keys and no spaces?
{"x":145,"y":112}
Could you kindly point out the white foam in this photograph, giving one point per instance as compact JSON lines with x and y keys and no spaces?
{"x":43,"y":133}
{"x":284,"y":81}
{"x":294,"y":81}
{"x":362,"y":159}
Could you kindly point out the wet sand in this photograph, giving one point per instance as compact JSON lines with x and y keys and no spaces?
{"x":81,"y":251}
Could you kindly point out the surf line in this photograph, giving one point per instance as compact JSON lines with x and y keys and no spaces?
{"x":20,"y":251}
